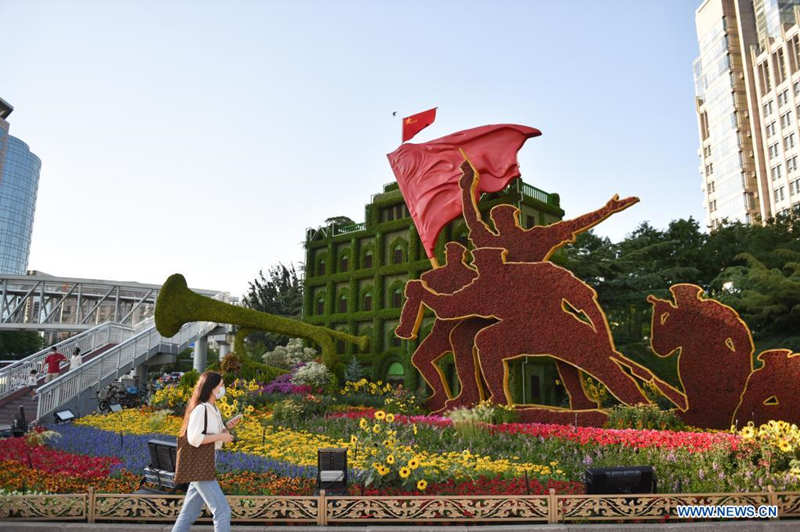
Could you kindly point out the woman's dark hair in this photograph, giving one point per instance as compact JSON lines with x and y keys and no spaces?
{"x":201,"y":394}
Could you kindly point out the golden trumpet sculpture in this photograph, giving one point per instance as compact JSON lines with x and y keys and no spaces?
{"x":177,"y":305}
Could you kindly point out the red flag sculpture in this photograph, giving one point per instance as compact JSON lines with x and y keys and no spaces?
{"x":415,"y":123}
{"x":428,"y":173}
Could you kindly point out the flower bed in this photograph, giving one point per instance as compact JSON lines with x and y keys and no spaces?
{"x":16,"y":476}
{"x":665,"y":439}
{"x":57,"y":462}
{"x":132,"y":450}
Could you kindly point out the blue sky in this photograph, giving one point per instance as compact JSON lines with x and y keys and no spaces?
{"x":203,"y":138}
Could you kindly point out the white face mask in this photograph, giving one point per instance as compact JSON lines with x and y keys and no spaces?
{"x":219,"y":393}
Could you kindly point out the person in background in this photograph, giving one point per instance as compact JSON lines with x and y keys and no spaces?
{"x":53,"y":361}
{"x":33,"y":381}
{"x":75,"y":359}
{"x":208,"y":389}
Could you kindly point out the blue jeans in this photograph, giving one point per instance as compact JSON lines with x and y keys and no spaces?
{"x":207,"y":491}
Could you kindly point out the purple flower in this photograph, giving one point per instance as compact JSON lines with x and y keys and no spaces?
{"x":701,"y":474}
{"x":587,"y":460}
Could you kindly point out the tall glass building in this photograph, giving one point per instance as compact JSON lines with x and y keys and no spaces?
{"x":19,"y":184}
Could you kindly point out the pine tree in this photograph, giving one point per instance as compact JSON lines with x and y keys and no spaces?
{"x":354,"y":371}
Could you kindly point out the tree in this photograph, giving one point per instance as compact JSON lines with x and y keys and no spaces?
{"x":354,"y":371}
{"x":15,"y":345}
{"x":279,"y":292}
{"x":339,"y":220}
{"x":762,"y":281}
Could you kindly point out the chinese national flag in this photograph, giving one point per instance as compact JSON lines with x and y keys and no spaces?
{"x":428,"y":173}
{"x":415,"y":123}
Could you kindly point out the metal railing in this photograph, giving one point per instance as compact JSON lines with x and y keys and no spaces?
{"x":352,"y":228}
{"x":540,"y":195}
{"x":70,"y":385}
{"x":16,"y":374}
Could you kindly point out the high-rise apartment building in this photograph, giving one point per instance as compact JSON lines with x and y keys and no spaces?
{"x":743,"y":110}
{"x":19,"y":185}
{"x":778,"y":93}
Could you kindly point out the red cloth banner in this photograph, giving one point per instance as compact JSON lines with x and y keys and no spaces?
{"x":428,"y":173}
{"x":415,"y":123}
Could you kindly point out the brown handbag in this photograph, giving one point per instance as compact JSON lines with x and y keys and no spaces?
{"x":195,"y":463}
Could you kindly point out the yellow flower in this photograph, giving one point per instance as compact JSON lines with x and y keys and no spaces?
{"x":784,"y":445}
{"x":404,"y":472}
{"x":363,"y":423}
{"x":376,"y":428}
{"x":421,"y":485}
{"x":390,"y":418}
{"x":390,"y":459}
{"x":353,"y":440}
{"x":413,"y":463}
{"x":380,"y":415}
{"x":383,"y":470}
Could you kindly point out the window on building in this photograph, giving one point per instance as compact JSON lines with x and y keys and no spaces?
{"x":343,"y":303}
{"x":773,"y":150}
{"x":779,"y":194}
{"x":775,"y":172}
{"x":367,"y":304}
{"x":791,"y":164}
{"x":764,"y":78}
{"x":397,"y":298}
{"x":786,"y":119}
{"x":780,"y":67}
{"x":709,"y":169}
{"x":783,"y":98}
{"x":711,"y":187}
{"x":704,"y":125}
{"x":340,"y":347}
{"x":320,"y":306}
{"x":367,"y":260}
{"x":767,"y":108}
{"x":788,"y":142}
{"x":707,"y":151}
{"x":712,"y":205}
{"x":770,"y":129}
{"x":397,"y":255}
{"x":794,"y":187}
{"x":321,"y":267}
{"x":343,"y":263}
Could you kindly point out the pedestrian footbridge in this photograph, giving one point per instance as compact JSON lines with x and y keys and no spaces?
{"x":109,"y":349}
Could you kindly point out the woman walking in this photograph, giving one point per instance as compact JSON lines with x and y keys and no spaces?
{"x":203,"y":427}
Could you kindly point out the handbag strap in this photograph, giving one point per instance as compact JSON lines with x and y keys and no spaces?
{"x":205,"y":420}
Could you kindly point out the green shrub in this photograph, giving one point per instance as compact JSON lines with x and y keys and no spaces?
{"x":189,"y":379}
{"x":245,"y":369}
{"x":643,"y":417}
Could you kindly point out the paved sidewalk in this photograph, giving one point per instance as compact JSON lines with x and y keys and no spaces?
{"x":728,"y":526}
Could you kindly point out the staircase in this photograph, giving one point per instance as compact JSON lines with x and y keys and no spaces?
{"x":9,"y":405}
{"x":75,"y":389}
